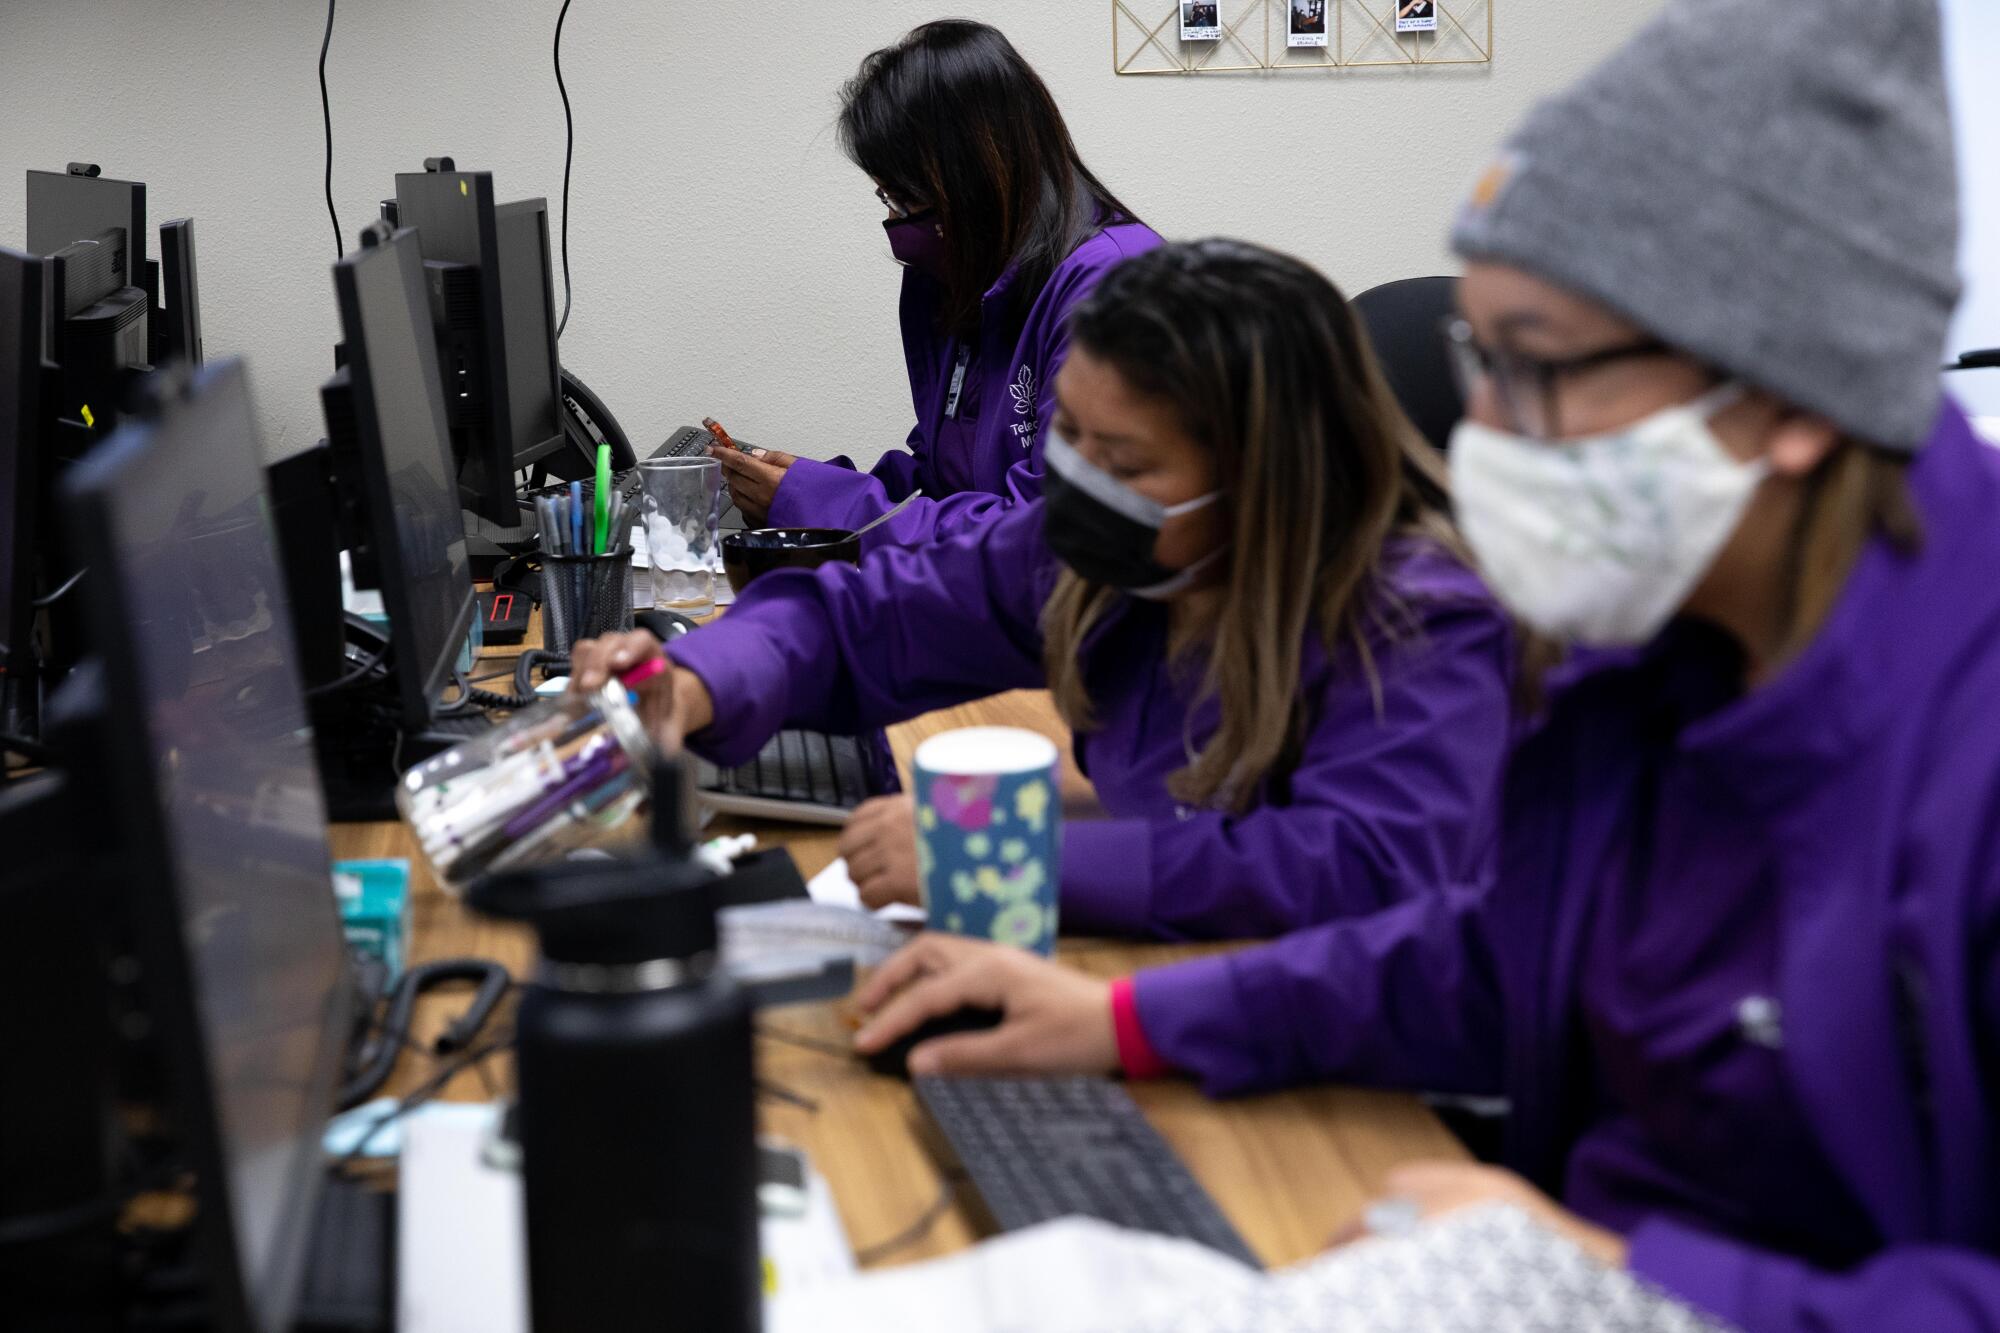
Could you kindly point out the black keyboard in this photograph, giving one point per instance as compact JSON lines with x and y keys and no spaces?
{"x":692,"y":442}
{"x":1041,"y":1148}
{"x":687,"y":442}
{"x":800,"y":775}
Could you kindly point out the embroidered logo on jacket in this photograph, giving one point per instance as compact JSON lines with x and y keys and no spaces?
{"x":1023,"y":393}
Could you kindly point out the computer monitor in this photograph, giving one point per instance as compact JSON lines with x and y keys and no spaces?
{"x":305,"y":509}
{"x":177,"y":336}
{"x":528,"y":314}
{"x":98,"y":332}
{"x":386,"y":422}
{"x":202,"y":748}
{"x":65,"y":207}
{"x":23,"y":446}
{"x":458,"y":227}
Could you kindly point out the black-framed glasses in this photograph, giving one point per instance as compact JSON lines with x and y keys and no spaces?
{"x":889,"y":202}
{"x":1525,"y":386}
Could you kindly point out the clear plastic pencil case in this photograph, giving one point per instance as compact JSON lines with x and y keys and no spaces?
{"x":562,"y":776}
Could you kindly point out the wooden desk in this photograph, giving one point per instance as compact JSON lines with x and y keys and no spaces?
{"x":1288,"y":1169}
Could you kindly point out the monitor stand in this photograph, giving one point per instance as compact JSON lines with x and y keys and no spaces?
{"x":488,"y":545}
{"x":362,"y":746}
{"x":20,"y":707}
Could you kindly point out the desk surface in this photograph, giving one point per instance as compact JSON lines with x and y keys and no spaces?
{"x":1289,"y":1169}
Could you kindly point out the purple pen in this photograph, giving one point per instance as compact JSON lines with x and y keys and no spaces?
{"x":603,"y":765}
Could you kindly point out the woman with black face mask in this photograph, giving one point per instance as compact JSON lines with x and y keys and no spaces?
{"x":1240,"y":585}
{"x":1001,"y":229}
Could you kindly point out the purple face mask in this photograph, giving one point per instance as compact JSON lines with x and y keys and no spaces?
{"x":914,"y":240}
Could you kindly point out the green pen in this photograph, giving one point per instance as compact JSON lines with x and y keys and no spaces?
{"x":603,"y":497}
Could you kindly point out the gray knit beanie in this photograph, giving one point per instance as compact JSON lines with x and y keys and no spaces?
{"x":1769,"y":188}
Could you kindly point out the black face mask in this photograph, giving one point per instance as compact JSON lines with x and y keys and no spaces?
{"x":914,"y":241}
{"x":1106,"y":531}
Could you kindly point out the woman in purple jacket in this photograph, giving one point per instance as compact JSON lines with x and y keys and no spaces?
{"x":1740,"y":972}
{"x":1001,"y":229}
{"x":1292,"y":698}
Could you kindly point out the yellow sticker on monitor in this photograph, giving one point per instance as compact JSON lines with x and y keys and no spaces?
{"x":89,"y":418}
{"x":462,"y":188}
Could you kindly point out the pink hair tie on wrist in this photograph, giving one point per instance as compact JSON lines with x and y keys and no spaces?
{"x":642,"y":673}
{"x":1136,"y":1055}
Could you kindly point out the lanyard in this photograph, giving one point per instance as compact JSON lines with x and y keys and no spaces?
{"x":957,"y":389}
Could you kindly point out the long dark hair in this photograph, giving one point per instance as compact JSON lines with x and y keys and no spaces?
{"x":1266,"y":366}
{"x":952,"y":118}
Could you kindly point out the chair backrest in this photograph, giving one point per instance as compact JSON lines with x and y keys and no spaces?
{"x":1403,"y":320}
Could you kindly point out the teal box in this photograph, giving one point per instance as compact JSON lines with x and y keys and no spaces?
{"x":374,"y":898}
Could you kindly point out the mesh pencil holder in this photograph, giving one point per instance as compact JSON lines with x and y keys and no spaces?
{"x":584,"y":596}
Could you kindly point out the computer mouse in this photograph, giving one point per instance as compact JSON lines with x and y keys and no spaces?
{"x":666,"y":626}
{"x":893,"y":1060}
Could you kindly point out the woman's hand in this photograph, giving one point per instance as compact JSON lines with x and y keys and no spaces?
{"x":1056,"y":1021}
{"x":880,"y":846}
{"x":674,"y":704}
{"x":753,"y":476}
{"x":1429,"y":1190}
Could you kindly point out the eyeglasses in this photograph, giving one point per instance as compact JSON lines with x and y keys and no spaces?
{"x":889,"y":202}
{"x":1525,"y":386}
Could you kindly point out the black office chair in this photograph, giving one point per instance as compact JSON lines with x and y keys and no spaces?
{"x":1403,"y":321}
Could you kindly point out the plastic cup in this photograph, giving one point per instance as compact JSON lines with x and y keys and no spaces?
{"x":682,"y":509}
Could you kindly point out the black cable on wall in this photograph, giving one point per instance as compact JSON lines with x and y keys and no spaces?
{"x":326,"y":113}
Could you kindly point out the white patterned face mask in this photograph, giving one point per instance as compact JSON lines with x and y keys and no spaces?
{"x":1599,"y":540}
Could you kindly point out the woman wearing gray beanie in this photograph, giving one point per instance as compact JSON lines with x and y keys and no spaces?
{"x":1740,"y":974}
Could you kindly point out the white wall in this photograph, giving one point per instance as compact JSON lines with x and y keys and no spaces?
{"x":727,"y":259}
{"x":1972,"y":35}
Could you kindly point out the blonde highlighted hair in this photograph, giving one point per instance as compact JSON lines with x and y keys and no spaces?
{"x":1266,"y":366}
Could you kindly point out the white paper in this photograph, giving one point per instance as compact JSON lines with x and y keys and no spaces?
{"x":462,"y":1246}
{"x":460,"y":1238}
{"x":1490,"y":1269}
{"x":809,"y":1252}
{"x":1073,"y":1276}
{"x":834,"y":887}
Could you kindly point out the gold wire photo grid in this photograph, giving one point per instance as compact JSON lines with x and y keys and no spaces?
{"x":1363,"y":35}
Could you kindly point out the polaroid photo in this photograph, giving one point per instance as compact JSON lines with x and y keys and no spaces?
{"x":1201,"y":20}
{"x":1416,"y":15}
{"x":1307,"y":26}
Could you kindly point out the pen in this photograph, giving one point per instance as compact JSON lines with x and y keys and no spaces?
{"x":601,"y":499}
{"x":610,"y":542}
{"x":545,"y":521}
{"x":621,"y":523}
{"x":576,"y":519}
{"x":598,"y":769}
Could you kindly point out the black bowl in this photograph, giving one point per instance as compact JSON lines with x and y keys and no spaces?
{"x":745,"y":555}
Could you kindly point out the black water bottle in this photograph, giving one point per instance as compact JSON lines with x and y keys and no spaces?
{"x":636,"y":1115}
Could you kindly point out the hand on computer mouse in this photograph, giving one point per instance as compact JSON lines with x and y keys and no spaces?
{"x":1056,"y":1021}
{"x":879,"y":845}
{"x":673,"y":705}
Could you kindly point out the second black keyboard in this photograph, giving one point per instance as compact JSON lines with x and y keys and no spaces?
{"x":1041,"y":1148}
{"x":808,"y":771}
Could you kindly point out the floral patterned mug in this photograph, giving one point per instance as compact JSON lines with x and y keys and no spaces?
{"x":989,"y":834}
